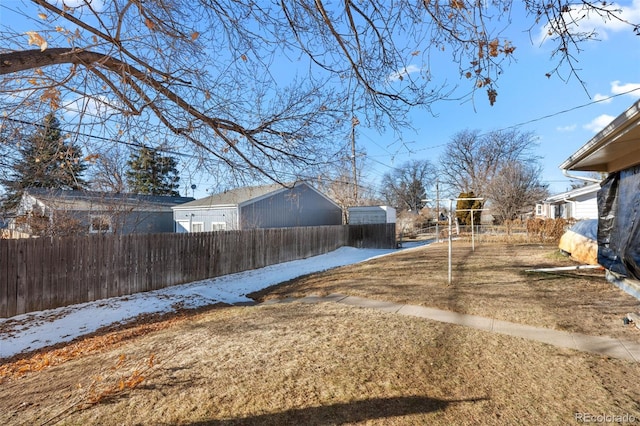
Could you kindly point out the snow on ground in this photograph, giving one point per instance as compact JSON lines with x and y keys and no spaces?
{"x":36,"y":330}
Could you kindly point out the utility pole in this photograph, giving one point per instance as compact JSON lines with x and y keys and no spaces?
{"x":437,"y":211}
{"x":354,"y":123}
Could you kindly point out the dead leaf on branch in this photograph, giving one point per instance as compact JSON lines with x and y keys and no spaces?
{"x":37,"y":39}
{"x":492,"y":96}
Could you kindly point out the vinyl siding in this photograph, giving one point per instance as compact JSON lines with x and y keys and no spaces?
{"x":300,"y":206}
{"x":208,"y":217}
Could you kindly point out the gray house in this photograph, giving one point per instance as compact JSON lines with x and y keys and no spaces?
{"x":269,"y":206}
{"x":46,"y":211}
{"x":615,"y":150}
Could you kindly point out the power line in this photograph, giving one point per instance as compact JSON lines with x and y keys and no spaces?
{"x":106,"y":139}
{"x":571,"y":109}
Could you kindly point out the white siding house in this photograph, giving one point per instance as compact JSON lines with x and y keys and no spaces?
{"x":580,"y":203}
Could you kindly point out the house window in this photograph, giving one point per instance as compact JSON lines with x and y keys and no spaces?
{"x":538,"y":209}
{"x":218,"y":226}
{"x":100,"y":224}
{"x":197,"y":227}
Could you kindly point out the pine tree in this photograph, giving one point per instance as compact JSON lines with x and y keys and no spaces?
{"x":46,"y":161}
{"x":151,"y":173}
{"x":465,"y":204}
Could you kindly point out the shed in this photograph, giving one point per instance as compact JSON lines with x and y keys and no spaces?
{"x":371,"y":214}
{"x":616,"y":151}
{"x":267,"y":206}
{"x":95,"y":212}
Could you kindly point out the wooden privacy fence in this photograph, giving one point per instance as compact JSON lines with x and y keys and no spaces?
{"x":46,"y":273}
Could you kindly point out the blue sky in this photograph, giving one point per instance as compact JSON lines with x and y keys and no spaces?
{"x":558,"y":110}
{"x":526,"y":96}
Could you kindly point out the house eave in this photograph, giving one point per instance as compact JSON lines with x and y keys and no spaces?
{"x":570,"y":195}
{"x":205,"y":207}
{"x":614,"y":148}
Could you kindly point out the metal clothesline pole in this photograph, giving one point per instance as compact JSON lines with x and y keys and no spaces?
{"x":473,"y":244}
{"x":450,"y":237}
{"x":451,"y":200}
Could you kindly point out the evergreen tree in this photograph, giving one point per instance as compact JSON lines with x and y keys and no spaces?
{"x":151,"y":173}
{"x":46,"y":161}
{"x":464,"y":207}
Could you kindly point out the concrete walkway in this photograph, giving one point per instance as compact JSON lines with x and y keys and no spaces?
{"x":607,"y":346}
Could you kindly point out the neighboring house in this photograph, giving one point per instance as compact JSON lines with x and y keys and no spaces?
{"x":45,"y":211}
{"x":580,"y":203}
{"x":269,"y":206}
{"x":616,"y":151}
{"x":371,"y":214}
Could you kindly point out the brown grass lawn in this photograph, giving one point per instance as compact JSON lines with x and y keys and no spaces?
{"x":335,"y":364}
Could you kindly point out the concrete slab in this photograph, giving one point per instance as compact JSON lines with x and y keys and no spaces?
{"x":603,"y":346}
{"x":448,"y":317}
{"x":633,"y":348}
{"x":334,"y":297}
{"x":372,"y":304}
{"x":600,"y":345}
{"x":312,"y":299}
{"x":544,"y":335}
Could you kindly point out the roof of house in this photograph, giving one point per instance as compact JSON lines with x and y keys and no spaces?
{"x":574,"y":193}
{"x":92,"y":200}
{"x":614,"y":148}
{"x":238,"y":196}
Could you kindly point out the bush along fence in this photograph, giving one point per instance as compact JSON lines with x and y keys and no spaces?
{"x":46,"y":273}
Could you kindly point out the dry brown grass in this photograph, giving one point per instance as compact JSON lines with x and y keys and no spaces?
{"x":333,"y":364}
{"x":489,"y":282}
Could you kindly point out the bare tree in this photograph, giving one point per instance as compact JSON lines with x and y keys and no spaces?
{"x":108,"y":173}
{"x":200,"y":73}
{"x":471,"y":159}
{"x":406,"y":186}
{"x":339,"y":185}
{"x":514,"y":190}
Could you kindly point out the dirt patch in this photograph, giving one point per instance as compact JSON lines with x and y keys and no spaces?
{"x":335,"y":364}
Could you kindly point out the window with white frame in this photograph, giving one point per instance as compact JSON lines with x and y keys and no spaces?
{"x":218,"y":226}
{"x":539,"y":209}
{"x":100,"y":224}
{"x":197,"y":227}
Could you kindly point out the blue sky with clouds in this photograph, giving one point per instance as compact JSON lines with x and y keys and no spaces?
{"x":560,"y":111}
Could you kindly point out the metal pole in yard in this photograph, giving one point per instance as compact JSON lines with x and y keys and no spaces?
{"x":437,"y":211}
{"x":473,"y":241}
{"x":450,"y":238}
{"x":451,"y":200}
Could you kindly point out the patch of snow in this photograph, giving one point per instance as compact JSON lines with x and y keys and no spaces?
{"x":35,"y":330}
